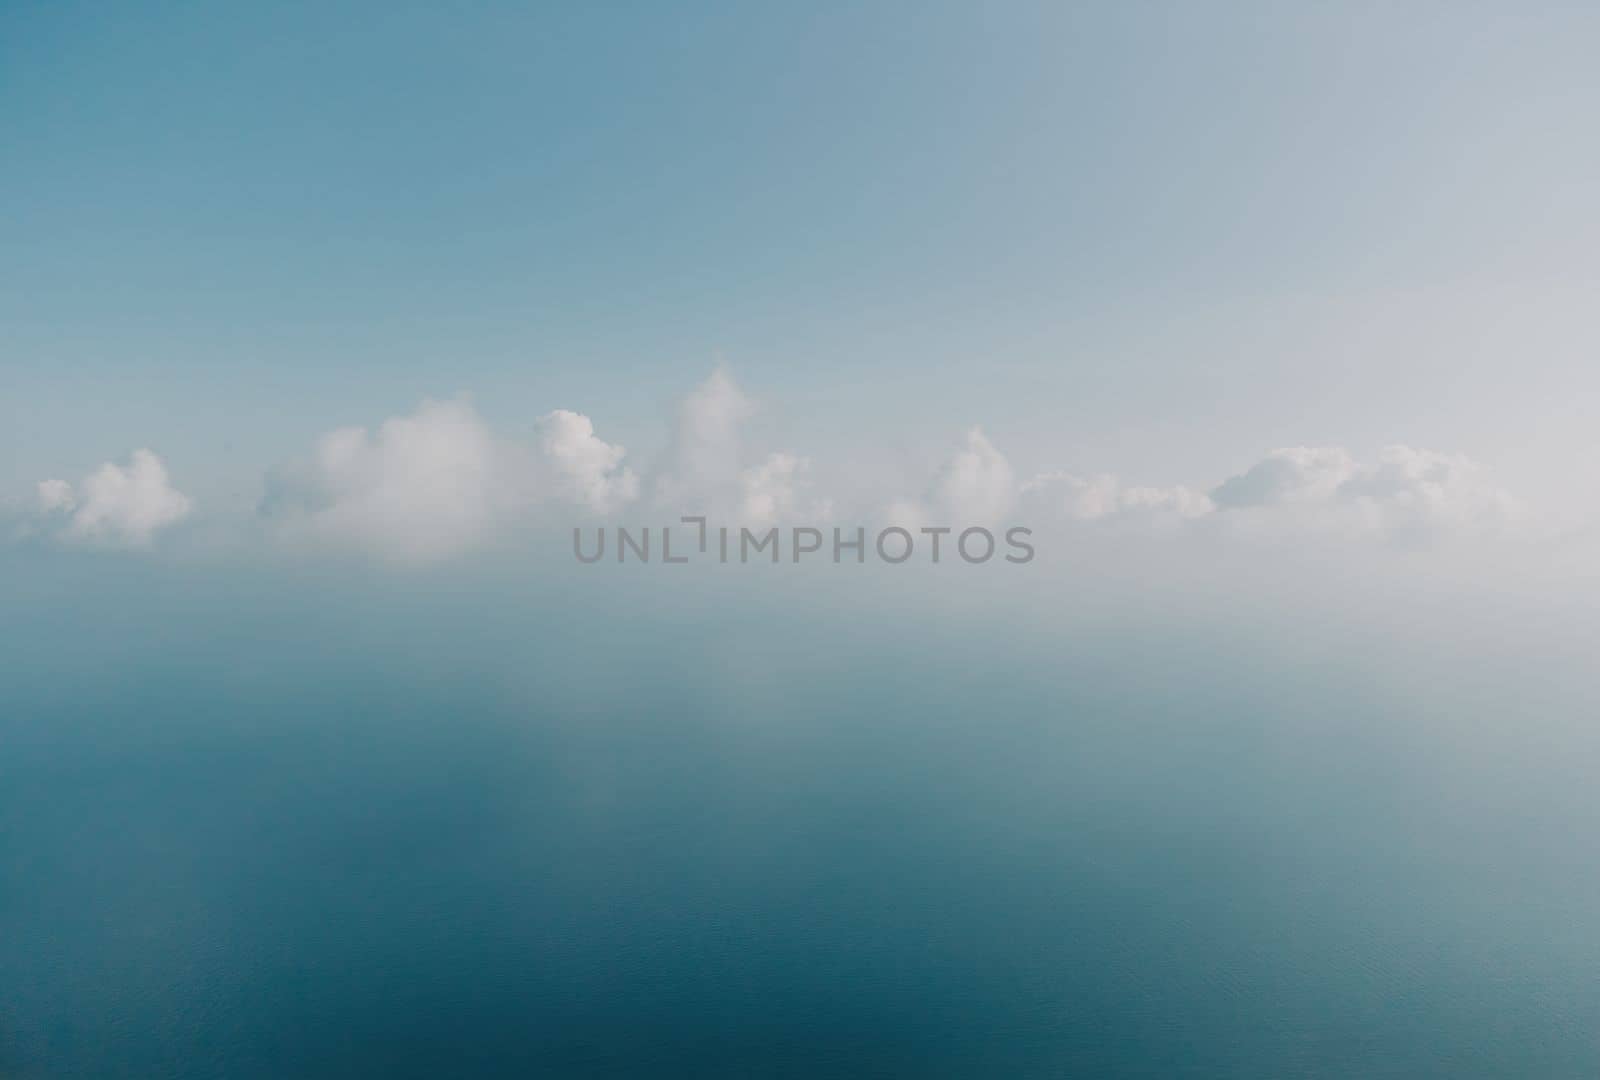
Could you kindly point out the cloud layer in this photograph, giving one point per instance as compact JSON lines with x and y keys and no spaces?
{"x":1402,"y":493}
{"x":438,"y":482}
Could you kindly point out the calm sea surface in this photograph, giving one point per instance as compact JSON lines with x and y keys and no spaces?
{"x":252,"y":832}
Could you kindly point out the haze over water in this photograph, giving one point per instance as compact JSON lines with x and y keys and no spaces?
{"x":494,"y":827}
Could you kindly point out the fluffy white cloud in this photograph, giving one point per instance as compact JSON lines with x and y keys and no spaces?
{"x":975,"y":486}
{"x":1422,"y":489}
{"x":702,"y":468}
{"x":116,"y":505}
{"x":55,"y":496}
{"x":420,"y":488}
{"x":582,"y":467}
{"x":779,"y":490}
{"x":709,"y":469}
{"x":1404,"y":492}
{"x":978,"y":486}
{"x":438,"y":482}
{"x":1295,"y":474}
{"x":1055,"y":495}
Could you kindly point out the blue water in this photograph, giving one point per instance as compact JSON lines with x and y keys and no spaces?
{"x":257,"y":829}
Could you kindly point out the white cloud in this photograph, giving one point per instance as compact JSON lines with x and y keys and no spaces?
{"x":1296,"y":474}
{"x":55,"y":496}
{"x":116,"y":505}
{"x":975,"y":486}
{"x":438,"y":483}
{"x":709,"y":469}
{"x":583,"y":467}
{"x":779,"y":490}
{"x":1056,"y":495}
{"x":422,"y":487}
{"x":701,"y":471}
{"x":1404,"y":492}
{"x":1422,"y":489}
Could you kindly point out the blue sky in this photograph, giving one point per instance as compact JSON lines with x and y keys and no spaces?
{"x":1158,"y":241}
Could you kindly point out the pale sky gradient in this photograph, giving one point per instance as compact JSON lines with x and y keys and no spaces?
{"x":1157,"y":240}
